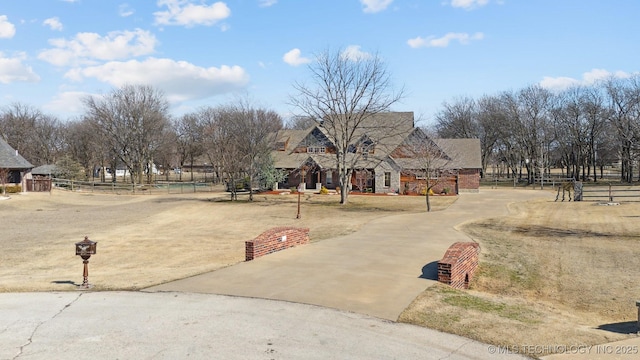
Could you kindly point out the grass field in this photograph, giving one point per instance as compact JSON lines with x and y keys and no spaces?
{"x":145,"y":240}
{"x":550,"y":273}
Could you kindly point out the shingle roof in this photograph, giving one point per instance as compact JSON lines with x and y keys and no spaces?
{"x":465,"y":153}
{"x":10,"y":159}
{"x":45,"y":170}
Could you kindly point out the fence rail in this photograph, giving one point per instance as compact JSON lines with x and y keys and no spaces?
{"x":611,"y":193}
{"x":158,"y":187}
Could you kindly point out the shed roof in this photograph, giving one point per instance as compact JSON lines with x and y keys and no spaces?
{"x":45,"y":170}
{"x":10,"y":159}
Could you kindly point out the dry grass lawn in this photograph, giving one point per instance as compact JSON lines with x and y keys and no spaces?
{"x":146,"y":240}
{"x":551,"y":274}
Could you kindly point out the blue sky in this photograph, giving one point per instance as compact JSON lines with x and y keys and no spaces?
{"x":204,"y":52}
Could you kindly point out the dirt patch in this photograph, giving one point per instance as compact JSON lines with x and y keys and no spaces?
{"x":147,"y":240}
{"x":550,"y":273}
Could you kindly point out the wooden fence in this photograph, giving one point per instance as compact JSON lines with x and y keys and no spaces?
{"x":611,"y":193}
{"x":141,"y":189}
{"x":38,"y":185}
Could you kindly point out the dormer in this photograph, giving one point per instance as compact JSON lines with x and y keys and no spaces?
{"x":364,"y":146}
{"x":316,"y":142}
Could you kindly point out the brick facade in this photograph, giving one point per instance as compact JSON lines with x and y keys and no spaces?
{"x":275,"y":239}
{"x":459,"y":264}
{"x":469,"y":180}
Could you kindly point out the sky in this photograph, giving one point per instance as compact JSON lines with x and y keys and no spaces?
{"x":54,"y":53}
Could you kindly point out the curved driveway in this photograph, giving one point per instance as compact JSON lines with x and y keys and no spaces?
{"x":376,"y":271}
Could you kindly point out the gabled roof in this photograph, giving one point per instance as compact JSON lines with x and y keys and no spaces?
{"x":10,"y":159}
{"x":465,"y":153}
{"x":458,"y":153}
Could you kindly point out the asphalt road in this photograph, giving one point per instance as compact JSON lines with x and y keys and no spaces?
{"x":136,"y":325}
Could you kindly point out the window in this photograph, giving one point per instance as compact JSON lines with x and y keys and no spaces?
{"x":329,"y":175}
{"x":280,"y":146}
{"x":316,"y":149}
{"x":421,"y":176}
{"x":387,"y":179}
{"x":367,"y":149}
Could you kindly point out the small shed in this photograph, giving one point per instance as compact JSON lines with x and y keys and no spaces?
{"x":42,"y":177}
{"x":13,"y":167}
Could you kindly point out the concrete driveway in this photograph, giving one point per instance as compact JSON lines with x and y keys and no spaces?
{"x":376,"y":271}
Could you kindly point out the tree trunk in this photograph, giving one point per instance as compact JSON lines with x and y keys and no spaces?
{"x":344,"y":188}
{"x":250,"y":187}
{"x":428,"y":188}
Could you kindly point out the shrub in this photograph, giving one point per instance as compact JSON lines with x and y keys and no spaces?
{"x":13,"y":189}
{"x":423,"y":192}
{"x":324,"y":190}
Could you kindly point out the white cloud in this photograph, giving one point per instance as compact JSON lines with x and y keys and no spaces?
{"x":67,"y":102}
{"x":374,"y":6}
{"x":294,"y":58}
{"x":180,"y":80}
{"x":7,"y":29}
{"x":185,"y":13}
{"x":588,"y":78}
{"x":432,"y":41}
{"x":353,"y":53}
{"x":125,"y":10}
{"x":87,"y":47}
{"x":468,"y":4}
{"x":12,"y":70}
{"x":558,"y":83}
{"x":53,"y":23}
{"x":267,"y":3}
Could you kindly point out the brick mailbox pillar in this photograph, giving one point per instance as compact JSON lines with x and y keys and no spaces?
{"x":275,"y":239}
{"x":459,"y":264}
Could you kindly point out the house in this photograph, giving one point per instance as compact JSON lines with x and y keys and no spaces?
{"x":12,"y":165}
{"x":384,"y":161}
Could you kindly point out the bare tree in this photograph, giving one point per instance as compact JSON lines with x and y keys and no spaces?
{"x":458,"y":119}
{"x":238,"y":138}
{"x":254,"y":132}
{"x":132,"y":120}
{"x":466,"y":118}
{"x":300,"y":123}
{"x":344,"y":97}
{"x":220,"y":146}
{"x":423,"y":158}
{"x":189,"y":144}
{"x":83,"y":144}
{"x":166,"y":153}
{"x":37,"y":136}
{"x":623,"y":96}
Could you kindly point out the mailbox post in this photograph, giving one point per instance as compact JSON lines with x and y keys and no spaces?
{"x":85,"y":249}
{"x":299,"y":193}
